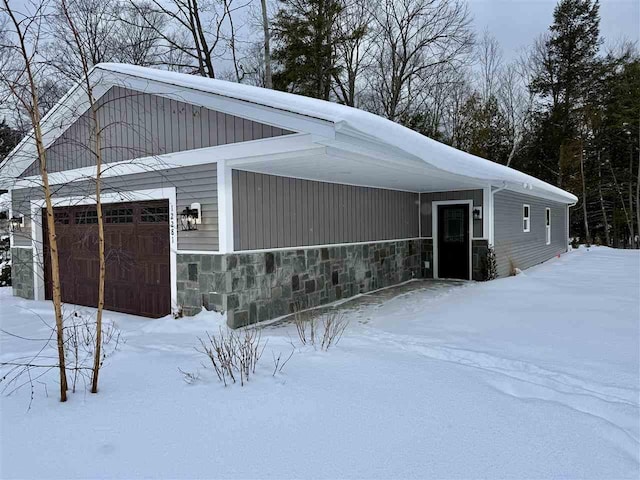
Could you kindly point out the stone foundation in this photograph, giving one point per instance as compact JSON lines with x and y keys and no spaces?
{"x":22,"y":272}
{"x":252,"y":287}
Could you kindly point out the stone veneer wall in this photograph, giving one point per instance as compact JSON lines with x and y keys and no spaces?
{"x":22,"y":272}
{"x":253,"y":287}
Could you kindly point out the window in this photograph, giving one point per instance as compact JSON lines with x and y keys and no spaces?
{"x":86,"y":217}
{"x":61,"y":218}
{"x":548,"y":224}
{"x":526,"y":218}
{"x":154,"y":214}
{"x":119,"y":215}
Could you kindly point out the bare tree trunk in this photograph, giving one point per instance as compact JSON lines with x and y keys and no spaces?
{"x":268,"y":81}
{"x":638,"y":198}
{"x":584,"y":196}
{"x":32,"y":106}
{"x":633,"y":236}
{"x":232,"y":42}
{"x":605,"y":220}
{"x":622,"y":202}
{"x":97,"y":151}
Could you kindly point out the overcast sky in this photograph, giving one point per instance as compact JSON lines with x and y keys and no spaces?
{"x":516,"y":23}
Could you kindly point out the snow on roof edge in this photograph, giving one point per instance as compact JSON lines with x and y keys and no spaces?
{"x":439,"y":155}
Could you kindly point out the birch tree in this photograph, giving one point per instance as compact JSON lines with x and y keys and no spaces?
{"x":21,"y":80}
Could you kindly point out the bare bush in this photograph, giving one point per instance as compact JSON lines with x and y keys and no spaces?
{"x":80,"y":337}
{"x":79,"y":340}
{"x":279,"y":362}
{"x":334,"y":324}
{"x":233,"y":355}
{"x":323,"y":331}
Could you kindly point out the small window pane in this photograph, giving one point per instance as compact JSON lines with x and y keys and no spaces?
{"x":61,"y":217}
{"x":118,"y":215}
{"x":154,"y":214}
{"x":86,"y":217}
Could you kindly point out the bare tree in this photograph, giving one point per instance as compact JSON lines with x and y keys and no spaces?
{"x":137,"y":39}
{"x":516,"y":101}
{"x":268,"y":80}
{"x":414,"y":37}
{"x":195,"y":30}
{"x":95,"y":136}
{"x":356,"y":30}
{"x":21,"y":82}
{"x":489,"y":56}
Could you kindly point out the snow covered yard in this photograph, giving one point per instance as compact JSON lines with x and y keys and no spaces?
{"x":535,"y":376}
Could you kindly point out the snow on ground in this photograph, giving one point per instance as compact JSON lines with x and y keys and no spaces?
{"x":535,"y":376}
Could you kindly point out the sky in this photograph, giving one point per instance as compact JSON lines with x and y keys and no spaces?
{"x":517,"y":23}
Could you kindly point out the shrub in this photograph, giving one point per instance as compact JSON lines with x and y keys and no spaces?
{"x":490,"y":265}
{"x":5,"y":274}
{"x":323,"y":331}
{"x":234,"y":355}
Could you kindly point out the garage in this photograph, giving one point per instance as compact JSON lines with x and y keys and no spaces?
{"x":137,"y":249}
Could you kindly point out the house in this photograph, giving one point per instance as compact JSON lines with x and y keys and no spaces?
{"x":257,"y":203}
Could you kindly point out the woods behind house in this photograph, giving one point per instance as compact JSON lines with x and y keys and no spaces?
{"x":566,"y":109}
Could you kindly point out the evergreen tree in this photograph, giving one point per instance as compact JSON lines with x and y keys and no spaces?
{"x":9,"y":138}
{"x":305,"y":51}
{"x":566,"y":68}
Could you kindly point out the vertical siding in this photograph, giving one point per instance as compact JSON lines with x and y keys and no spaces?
{"x":425,"y":208}
{"x":136,"y":124}
{"x":193,"y":184}
{"x":525,"y":249}
{"x":277,"y":212}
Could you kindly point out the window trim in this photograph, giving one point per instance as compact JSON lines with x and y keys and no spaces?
{"x":547,"y":225}
{"x":526,"y":219}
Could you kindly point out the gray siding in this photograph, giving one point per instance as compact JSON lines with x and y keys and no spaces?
{"x":525,"y":249}
{"x":425,"y":208}
{"x":193,"y":184}
{"x":135,"y":124}
{"x":277,"y":212}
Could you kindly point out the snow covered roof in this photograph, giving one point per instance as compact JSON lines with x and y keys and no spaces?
{"x":351,"y":122}
{"x":437,"y":154}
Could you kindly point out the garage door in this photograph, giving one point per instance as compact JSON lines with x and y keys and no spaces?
{"x":137,"y":279}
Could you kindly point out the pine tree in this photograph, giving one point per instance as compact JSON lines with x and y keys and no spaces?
{"x":566,"y":70}
{"x":305,"y":51}
{"x":9,"y":138}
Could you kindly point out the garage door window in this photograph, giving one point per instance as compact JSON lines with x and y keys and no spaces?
{"x":119,"y":215}
{"x":154,"y":214}
{"x":86,"y":217}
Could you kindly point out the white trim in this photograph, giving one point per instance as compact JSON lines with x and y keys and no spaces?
{"x":486,"y":212}
{"x":198,"y":252}
{"x":526,"y":229}
{"x":434,"y":232}
{"x":168,"y":193}
{"x":11,"y":240}
{"x":330,"y":245}
{"x":225,"y":208}
{"x":547,"y":225}
{"x":263,"y":149}
{"x":26,"y":247}
{"x":420,"y":215}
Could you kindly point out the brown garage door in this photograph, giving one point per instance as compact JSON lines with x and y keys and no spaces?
{"x":137,"y":276}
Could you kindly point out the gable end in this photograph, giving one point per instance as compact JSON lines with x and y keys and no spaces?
{"x":135,"y":124}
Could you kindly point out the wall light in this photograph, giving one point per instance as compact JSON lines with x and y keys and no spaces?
{"x":17,"y":223}
{"x":191,"y":217}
